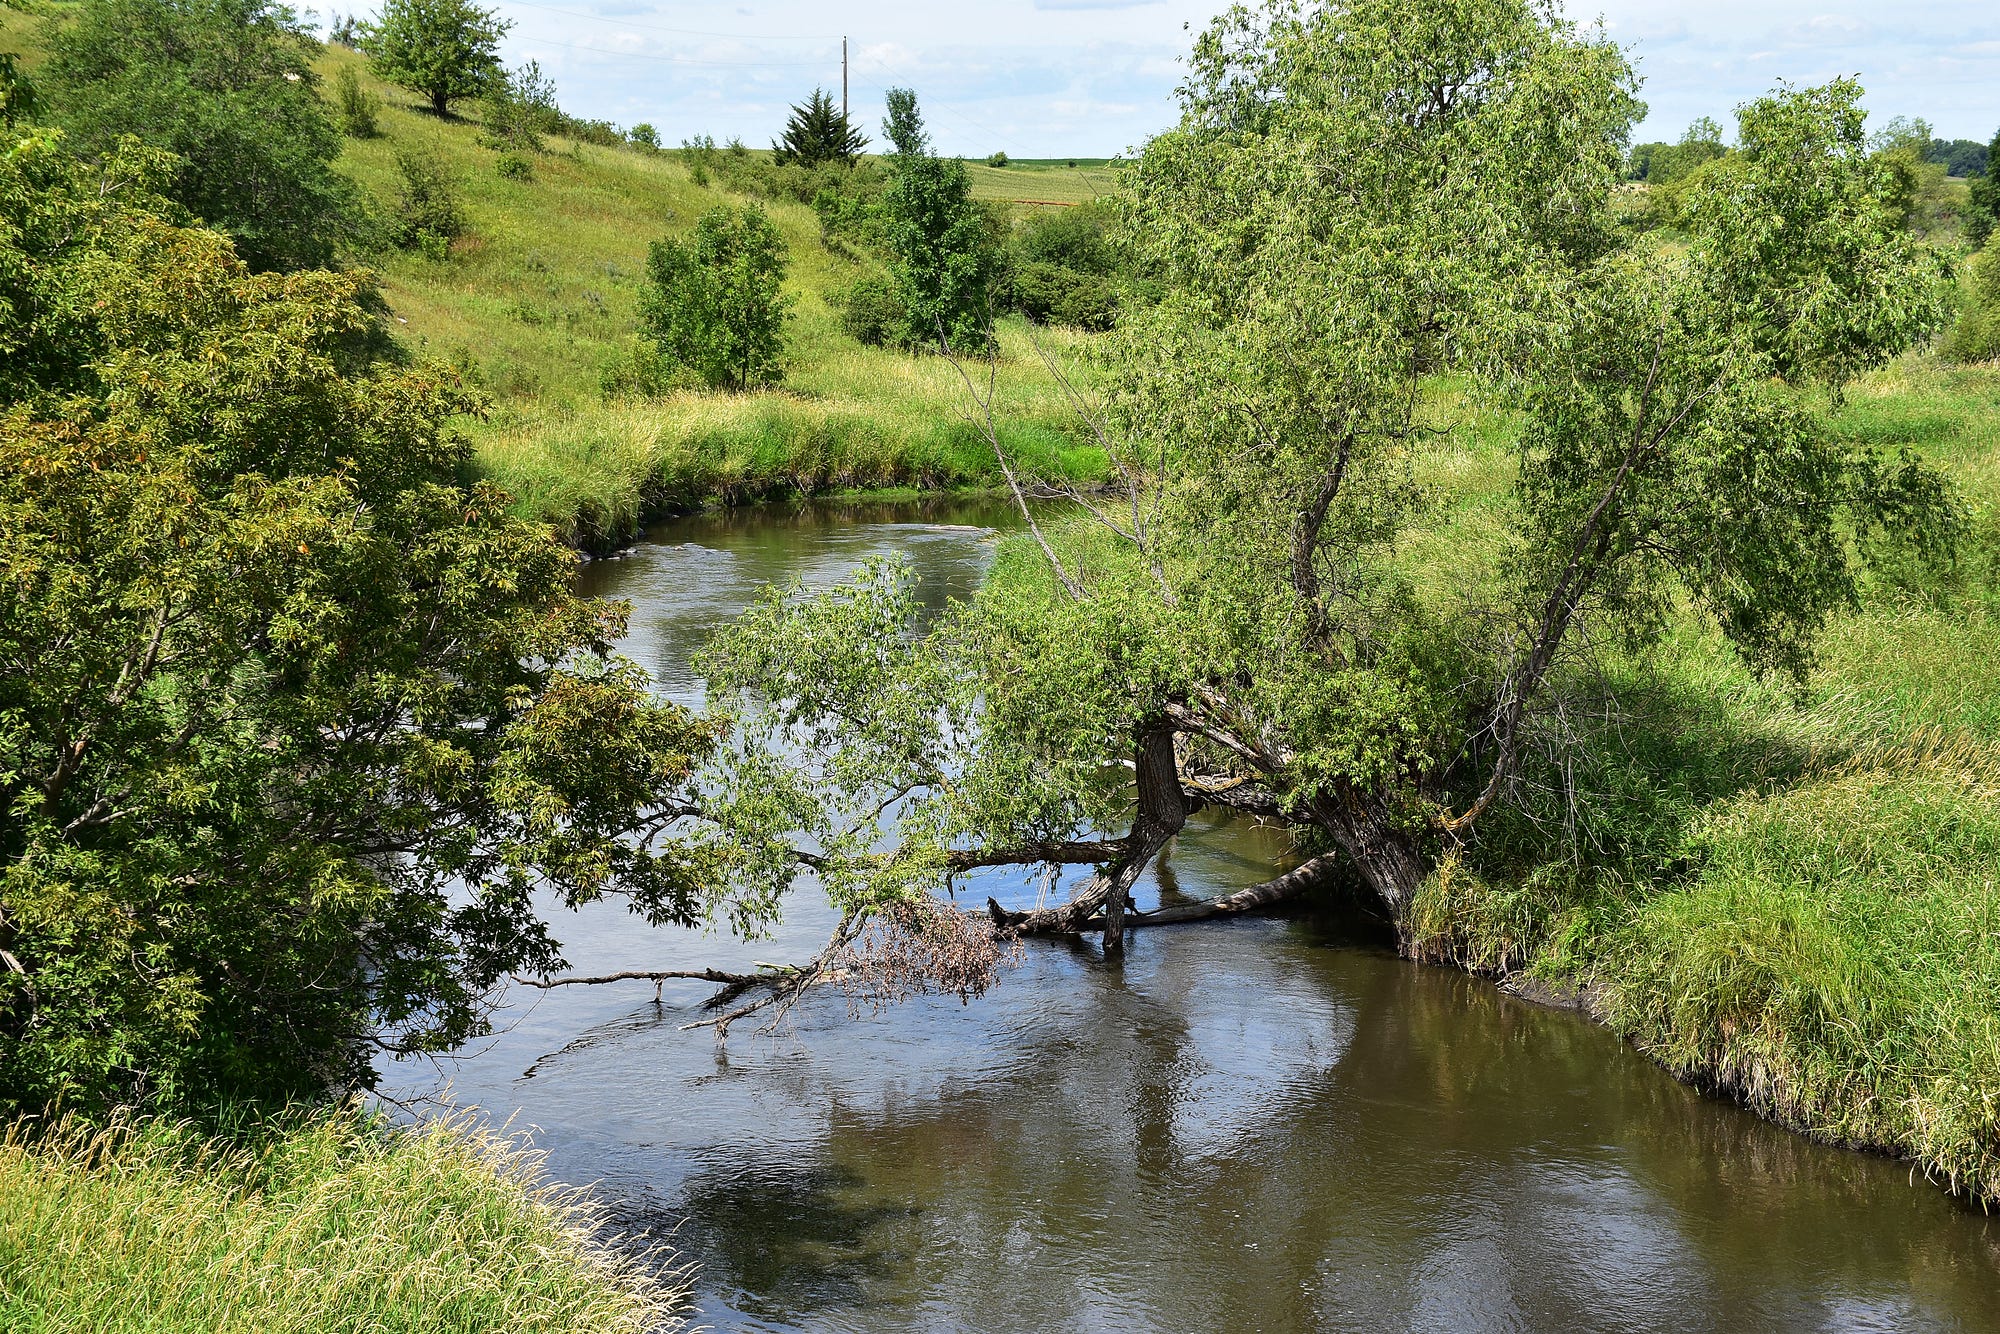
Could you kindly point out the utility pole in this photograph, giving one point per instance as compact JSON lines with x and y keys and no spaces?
{"x":843,"y":78}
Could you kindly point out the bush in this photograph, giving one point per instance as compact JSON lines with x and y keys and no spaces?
{"x":872,"y":313}
{"x":1976,"y":334}
{"x":644,"y":136}
{"x":712,"y":305}
{"x":1065,"y":266}
{"x":642,"y":370}
{"x":701,"y":158}
{"x":429,"y":217}
{"x":354,"y":106}
{"x":1053,"y":294}
{"x":514,"y":167}
{"x":228,"y":88}
{"x":997,"y":160}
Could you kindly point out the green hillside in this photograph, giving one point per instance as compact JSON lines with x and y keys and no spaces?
{"x":539,"y":301}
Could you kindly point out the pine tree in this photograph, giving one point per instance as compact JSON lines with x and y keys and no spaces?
{"x":817,"y":134}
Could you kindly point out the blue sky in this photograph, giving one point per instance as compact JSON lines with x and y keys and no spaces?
{"x":1053,"y":78}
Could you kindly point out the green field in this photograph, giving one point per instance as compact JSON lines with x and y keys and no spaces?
{"x":1048,"y":182}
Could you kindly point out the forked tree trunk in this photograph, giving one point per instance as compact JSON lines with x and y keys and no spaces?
{"x":1162,"y":812}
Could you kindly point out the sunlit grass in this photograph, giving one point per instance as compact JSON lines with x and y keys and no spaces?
{"x":312,"y":1225}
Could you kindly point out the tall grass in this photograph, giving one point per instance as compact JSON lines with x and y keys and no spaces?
{"x":1834,"y":963}
{"x":1791,"y":897}
{"x":327,"y":1222}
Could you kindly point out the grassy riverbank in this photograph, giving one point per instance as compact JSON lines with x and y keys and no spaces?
{"x":1799,"y":901}
{"x":328,"y":1223}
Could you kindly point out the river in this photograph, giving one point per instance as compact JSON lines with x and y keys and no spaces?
{"x":1263,"y":1125}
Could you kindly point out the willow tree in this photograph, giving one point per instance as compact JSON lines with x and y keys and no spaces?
{"x":1385,"y":232}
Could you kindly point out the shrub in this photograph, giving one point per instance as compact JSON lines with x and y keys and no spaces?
{"x":872,"y":313}
{"x":712,"y":304}
{"x":701,"y":158}
{"x":429,"y":217}
{"x":997,"y":160}
{"x":354,"y":105}
{"x":514,"y":167}
{"x":1976,"y":334}
{"x":517,"y":109}
{"x":645,"y":371}
{"x":1054,"y":294}
{"x":644,"y":136}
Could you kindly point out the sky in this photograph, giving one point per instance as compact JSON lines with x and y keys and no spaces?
{"x":1093,"y":78}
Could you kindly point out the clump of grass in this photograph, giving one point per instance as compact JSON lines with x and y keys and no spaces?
{"x":1834,"y":963}
{"x":329,"y":1221}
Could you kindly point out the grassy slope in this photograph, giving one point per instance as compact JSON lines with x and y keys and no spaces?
{"x":540,"y":298}
{"x":326,"y":1223}
{"x":1807,"y":920}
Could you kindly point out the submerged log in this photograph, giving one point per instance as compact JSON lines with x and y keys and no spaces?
{"x":1257,"y":897}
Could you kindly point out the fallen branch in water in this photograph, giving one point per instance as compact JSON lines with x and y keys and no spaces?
{"x":733,"y":983}
{"x":1276,"y":890}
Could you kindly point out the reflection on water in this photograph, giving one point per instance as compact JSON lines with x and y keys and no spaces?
{"x":1259,"y":1125}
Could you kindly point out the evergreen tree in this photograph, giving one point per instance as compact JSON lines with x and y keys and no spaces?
{"x":818,"y":134}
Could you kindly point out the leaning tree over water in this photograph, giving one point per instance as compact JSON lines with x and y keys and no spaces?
{"x":1386,"y":238}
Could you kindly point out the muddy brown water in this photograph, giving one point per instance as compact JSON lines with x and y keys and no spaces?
{"x":1267,"y":1125}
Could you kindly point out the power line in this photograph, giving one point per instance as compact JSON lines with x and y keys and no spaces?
{"x":683,"y":32}
{"x":680,"y":60}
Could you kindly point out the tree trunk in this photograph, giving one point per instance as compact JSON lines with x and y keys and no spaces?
{"x":1389,"y":861}
{"x":1161,"y":814}
{"x":441,"y":103}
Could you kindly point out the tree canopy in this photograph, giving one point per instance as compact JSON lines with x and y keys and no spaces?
{"x":295,"y":725}
{"x":447,"y":50}
{"x":228,"y":87}
{"x":1278,"y":614}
